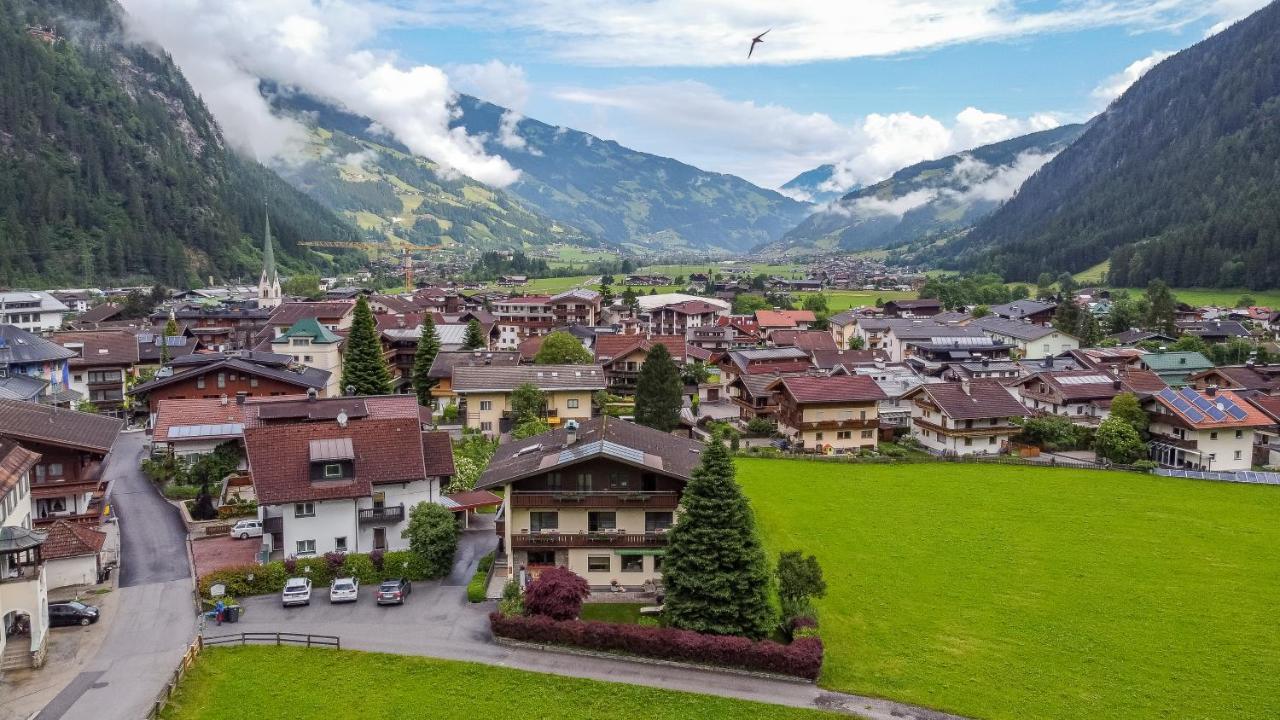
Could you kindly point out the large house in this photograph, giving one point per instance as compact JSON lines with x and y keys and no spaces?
{"x":596,"y":497}
{"x":1250,"y":376}
{"x":313,"y":345}
{"x":34,"y":369}
{"x":622,"y":356}
{"x":24,"y":591}
{"x":1032,"y":341}
{"x":103,"y":363}
{"x":1175,"y":368}
{"x":1083,"y":395}
{"x":829,"y":414}
{"x":32,"y":311}
{"x":445,"y":362}
{"x":1210,"y":430}
{"x":341,"y":474}
{"x":520,"y":318}
{"x":485,"y":392}
{"x":67,"y":483}
{"x":244,"y":373}
{"x":679,"y":317}
{"x":964,"y":418}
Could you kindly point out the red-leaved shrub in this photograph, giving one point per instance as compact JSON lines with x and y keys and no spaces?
{"x":802,"y":658}
{"x":557,"y":593}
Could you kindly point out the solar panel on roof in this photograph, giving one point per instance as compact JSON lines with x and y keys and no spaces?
{"x":1232,"y":409}
{"x":197,"y":431}
{"x":1084,"y":380}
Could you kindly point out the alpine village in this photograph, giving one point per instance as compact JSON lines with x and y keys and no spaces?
{"x":452,"y":412}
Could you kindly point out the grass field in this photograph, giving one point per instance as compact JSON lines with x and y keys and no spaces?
{"x":1013,"y":592}
{"x":840,"y":300}
{"x":628,"y":613}
{"x":237,"y":683}
{"x":1220,"y":297}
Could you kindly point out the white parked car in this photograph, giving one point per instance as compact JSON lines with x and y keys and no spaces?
{"x":297,"y":591}
{"x":247,"y":529}
{"x":344,"y":590}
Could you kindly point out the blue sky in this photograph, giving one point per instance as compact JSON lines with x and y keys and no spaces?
{"x":869,"y":85}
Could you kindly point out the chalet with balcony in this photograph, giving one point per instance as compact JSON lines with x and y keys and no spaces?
{"x":1261,"y":377}
{"x":446,"y":362}
{"x":103,"y":363}
{"x":964,"y":418}
{"x":67,"y":482}
{"x":622,"y":356}
{"x":922,"y":308}
{"x":578,"y":306}
{"x":485,"y":393}
{"x":829,"y":414}
{"x":24,"y":592}
{"x":244,"y":373}
{"x":677,"y":318}
{"x":1213,"y":430}
{"x":341,"y":474}
{"x":224,"y":328}
{"x":1083,"y":395}
{"x":764,"y":361}
{"x":596,"y":497}
{"x":770,"y":321}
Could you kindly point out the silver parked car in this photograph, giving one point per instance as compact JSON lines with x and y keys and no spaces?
{"x":297,"y":591}
{"x":344,"y":590}
{"x":246,"y":529}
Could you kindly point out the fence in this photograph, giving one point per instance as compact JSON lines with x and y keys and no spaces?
{"x":277,"y":638}
{"x":1243,"y":476}
{"x":188,"y":659}
{"x":962,"y":459}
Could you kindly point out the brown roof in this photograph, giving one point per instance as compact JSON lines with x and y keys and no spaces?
{"x":1078,"y":385}
{"x":1243,"y":377}
{"x":783,"y":318}
{"x":291,"y":312}
{"x":546,"y":377}
{"x":834,"y":389}
{"x":1268,"y":404}
{"x":445,"y":362}
{"x":473,"y":499}
{"x":99,"y":313}
{"x":437,"y":452}
{"x":67,"y":540}
{"x":530,"y":347}
{"x":101,"y":347}
{"x":609,"y":347}
{"x":32,"y":422}
{"x":985,"y":399}
{"x":804,"y":339}
{"x":261,"y":411}
{"x":603,"y":436}
{"x":196,"y":411}
{"x":15,"y":461}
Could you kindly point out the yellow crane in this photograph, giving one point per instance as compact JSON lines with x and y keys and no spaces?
{"x":406,"y":256}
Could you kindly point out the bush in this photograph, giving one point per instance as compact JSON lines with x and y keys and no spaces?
{"x":376,"y":557}
{"x":361,"y":568}
{"x":512,"y":604}
{"x":268,"y":578}
{"x":433,"y":535}
{"x":761,"y":426}
{"x":1145,"y":465}
{"x":238,"y":510}
{"x":476,"y":589}
{"x":404,"y":563}
{"x":557,"y":593}
{"x":181,"y":492}
{"x":802,"y":658}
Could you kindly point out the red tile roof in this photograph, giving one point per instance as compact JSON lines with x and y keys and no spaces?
{"x":804,"y":339}
{"x":291,"y":312}
{"x":610,"y":347}
{"x":1268,"y":404}
{"x":68,"y":540}
{"x":196,"y":411}
{"x":437,"y":451}
{"x":834,"y":389}
{"x":1254,"y":417}
{"x":15,"y":461}
{"x":985,"y":399}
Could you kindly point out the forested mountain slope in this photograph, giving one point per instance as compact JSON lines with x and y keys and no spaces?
{"x":112,"y":169}
{"x":1179,"y":179}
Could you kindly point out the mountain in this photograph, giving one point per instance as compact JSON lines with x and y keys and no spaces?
{"x":112,"y":169}
{"x":628,"y":197}
{"x":379,"y":185}
{"x":809,"y":185}
{"x":1179,"y":179}
{"x":931,"y":199}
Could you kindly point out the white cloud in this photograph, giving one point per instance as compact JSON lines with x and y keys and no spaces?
{"x":224,"y":46}
{"x":359,"y":161}
{"x":1115,"y":85}
{"x":976,"y":181}
{"x":718,"y":32}
{"x":897,"y":207}
{"x":1229,"y":11}
{"x":495,"y":81}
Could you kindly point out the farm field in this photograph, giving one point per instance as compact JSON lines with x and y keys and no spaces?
{"x":840,"y":300}
{"x":1220,"y":297}
{"x":235,"y":683}
{"x":1011,"y":592}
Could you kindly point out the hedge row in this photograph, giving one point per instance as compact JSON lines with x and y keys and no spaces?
{"x":477,"y":588}
{"x":802,"y":658}
{"x":269,"y":578}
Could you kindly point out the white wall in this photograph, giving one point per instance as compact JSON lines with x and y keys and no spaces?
{"x":333,"y":519}
{"x":410,"y":494}
{"x":82,"y":570}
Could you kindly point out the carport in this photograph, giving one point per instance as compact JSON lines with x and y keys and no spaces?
{"x":468,"y":502}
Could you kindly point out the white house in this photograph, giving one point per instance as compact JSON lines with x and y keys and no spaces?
{"x":24,"y":591}
{"x":1032,"y":341}
{"x":341,"y":474}
{"x":35,"y":312}
{"x":72,"y":554}
{"x":964,"y":418}
{"x":1211,"y":430}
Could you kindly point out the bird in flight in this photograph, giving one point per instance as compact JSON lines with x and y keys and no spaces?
{"x":756,"y":41}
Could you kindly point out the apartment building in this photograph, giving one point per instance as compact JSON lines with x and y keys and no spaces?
{"x":104,"y":362}
{"x":485,"y":393}
{"x":446,"y":362}
{"x":829,"y":414}
{"x":964,"y":418}
{"x":34,"y":369}
{"x":313,"y":345}
{"x":35,"y":312}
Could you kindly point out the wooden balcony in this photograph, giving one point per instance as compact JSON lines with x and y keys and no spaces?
{"x":984,"y":429}
{"x":544,"y":540}
{"x":667,"y":500}
{"x":391,"y":514}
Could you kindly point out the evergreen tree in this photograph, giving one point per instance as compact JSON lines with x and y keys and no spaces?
{"x":714,"y":570}
{"x":363,"y":367}
{"x":474,"y":339}
{"x":428,"y":347}
{"x":1162,"y":308}
{"x":659,"y":391}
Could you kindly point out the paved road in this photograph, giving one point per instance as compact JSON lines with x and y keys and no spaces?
{"x":156,"y":618}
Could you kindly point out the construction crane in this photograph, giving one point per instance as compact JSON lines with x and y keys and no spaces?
{"x":406,"y":256}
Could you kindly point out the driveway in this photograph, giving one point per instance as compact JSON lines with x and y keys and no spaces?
{"x":216,"y":553}
{"x":155,"y":618}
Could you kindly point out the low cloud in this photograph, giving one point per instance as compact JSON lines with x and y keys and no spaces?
{"x":1115,"y":85}
{"x":225,"y":46}
{"x":897,"y":207}
{"x":971,"y":181}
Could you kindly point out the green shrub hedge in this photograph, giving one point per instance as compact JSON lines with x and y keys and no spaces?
{"x":476,"y":589}
{"x":181,"y":492}
{"x":270,"y":578}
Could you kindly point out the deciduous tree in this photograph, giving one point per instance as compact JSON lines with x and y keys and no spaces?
{"x":1118,"y":442}
{"x":557,"y":593}
{"x":433,"y":536}
{"x":562,"y":348}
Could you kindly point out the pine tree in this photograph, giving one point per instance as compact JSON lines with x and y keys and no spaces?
{"x":714,"y":571}
{"x":428,"y":347}
{"x":474,"y":339}
{"x":363,"y":367}
{"x":659,"y":391}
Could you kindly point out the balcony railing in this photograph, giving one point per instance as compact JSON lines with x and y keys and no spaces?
{"x":526,"y":539}
{"x":390,"y":514}
{"x":595,"y":499}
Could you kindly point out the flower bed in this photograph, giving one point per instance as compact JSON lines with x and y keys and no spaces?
{"x":801,"y":658}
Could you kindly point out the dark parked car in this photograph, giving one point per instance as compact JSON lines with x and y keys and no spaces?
{"x":393,"y":592}
{"x":72,"y":612}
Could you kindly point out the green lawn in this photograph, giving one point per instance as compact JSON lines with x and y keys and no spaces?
{"x":840,"y":300}
{"x":1013,"y":592}
{"x":236,"y":683}
{"x":628,"y":613}
{"x":1220,"y":297}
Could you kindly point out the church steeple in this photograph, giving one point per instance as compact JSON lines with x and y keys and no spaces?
{"x":269,"y":283}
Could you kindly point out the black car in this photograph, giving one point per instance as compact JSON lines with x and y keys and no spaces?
{"x":72,"y":612}
{"x":393,"y":592}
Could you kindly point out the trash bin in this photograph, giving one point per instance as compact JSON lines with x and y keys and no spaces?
{"x":231,"y":614}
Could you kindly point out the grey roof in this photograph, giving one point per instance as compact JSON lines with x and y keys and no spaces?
{"x":545,"y":377}
{"x":1013,"y":328}
{"x":308,"y":377}
{"x":21,"y":387}
{"x":445,"y":362}
{"x":19,"y":347}
{"x":48,"y":303}
{"x":766,"y":354}
{"x":1019,"y":309}
{"x":843,"y":318}
{"x":37,"y":423}
{"x":1214,"y":328}
{"x":598,"y":437}
{"x":906,"y":329}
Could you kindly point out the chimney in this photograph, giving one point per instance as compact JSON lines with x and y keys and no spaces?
{"x":1115,"y":384}
{"x":1211,"y":390}
{"x":223,"y":400}
{"x":964,"y":385}
{"x":986,"y":362}
{"x":570,"y":432}
{"x":312,"y":394}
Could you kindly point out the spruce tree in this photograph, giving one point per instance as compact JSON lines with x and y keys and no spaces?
{"x":659,"y":392}
{"x":474,"y":339}
{"x":428,"y":346}
{"x":714,"y":572}
{"x":363,"y":367}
